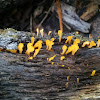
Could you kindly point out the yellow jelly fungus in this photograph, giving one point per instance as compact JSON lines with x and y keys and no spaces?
{"x":49,"y":44}
{"x":32,"y":40}
{"x":62,"y":65}
{"x":64,"y":49}
{"x":93,"y":72}
{"x":62,"y":58}
{"x":52,"y":63}
{"x":50,"y":59}
{"x":38,"y":44}
{"x":90,"y":36}
{"x":20,"y":47}
{"x":29,"y":50}
{"x":73,"y":49}
{"x":47,"y":59}
{"x":92,"y":43}
{"x":85,"y":43}
{"x":30,"y":58}
{"x":29,"y":45}
{"x":49,"y":32}
{"x":52,"y":39}
{"x":76,"y":41}
{"x":69,"y":38}
{"x":77,"y":80}
{"x":66,"y":85}
{"x":60,"y":35}
{"x":67,"y":78}
{"x":98,"y":43}
{"x":36,"y":52}
{"x":12,"y":51}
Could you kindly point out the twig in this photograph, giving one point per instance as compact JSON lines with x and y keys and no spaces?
{"x":45,"y":16}
{"x":59,"y":14}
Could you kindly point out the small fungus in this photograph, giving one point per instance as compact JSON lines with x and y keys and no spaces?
{"x":52,"y":39}
{"x":73,"y":48}
{"x":32,"y":40}
{"x":69,"y":38}
{"x":30,"y":58}
{"x":76,"y":41}
{"x":77,"y":80}
{"x":62,"y":65}
{"x":52,"y":63}
{"x":49,"y":44}
{"x":93,"y":72}
{"x":66,"y":85}
{"x":62,"y":57}
{"x":64,"y":49}
{"x":36,"y":52}
{"x":12,"y":51}
{"x":98,"y":43}
{"x":49,"y":32}
{"x":60,"y":35}
{"x":85,"y":43}
{"x":50,"y":59}
{"x":29,"y":50}
{"x":67,"y":78}
{"x":38,"y":44}
{"x":20,"y":47}
{"x":92,"y":43}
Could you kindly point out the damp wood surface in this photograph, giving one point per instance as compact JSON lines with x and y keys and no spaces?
{"x":38,"y":79}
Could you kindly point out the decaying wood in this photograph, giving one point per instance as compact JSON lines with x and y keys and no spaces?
{"x":91,"y":11}
{"x":39,"y":79}
{"x":71,"y":18}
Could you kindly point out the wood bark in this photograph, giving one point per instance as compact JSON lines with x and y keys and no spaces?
{"x":21,"y":79}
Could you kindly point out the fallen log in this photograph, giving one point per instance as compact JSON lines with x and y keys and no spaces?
{"x":39,"y":79}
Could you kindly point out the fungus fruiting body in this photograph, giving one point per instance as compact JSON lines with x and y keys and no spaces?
{"x":38,"y":44}
{"x":69,"y":38}
{"x":62,"y":57}
{"x":12,"y":51}
{"x":93,"y":73}
{"x":66,"y":85}
{"x":98,"y":43}
{"x":64,"y":49}
{"x":92,"y":43}
{"x":20,"y":47}
{"x":85,"y":43}
{"x":77,"y":80}
{"x":76,"y":41}
{"x":49,"y":44}
{"x":67,"y":78}
{"x":32,"y":40}
{"x":60,"y":35}
{"x":73,"y":49}
{"x":36,"y":52}
{"x":52,"y":39}
{"x":50,"y":59}
{"x":29,"y":50}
